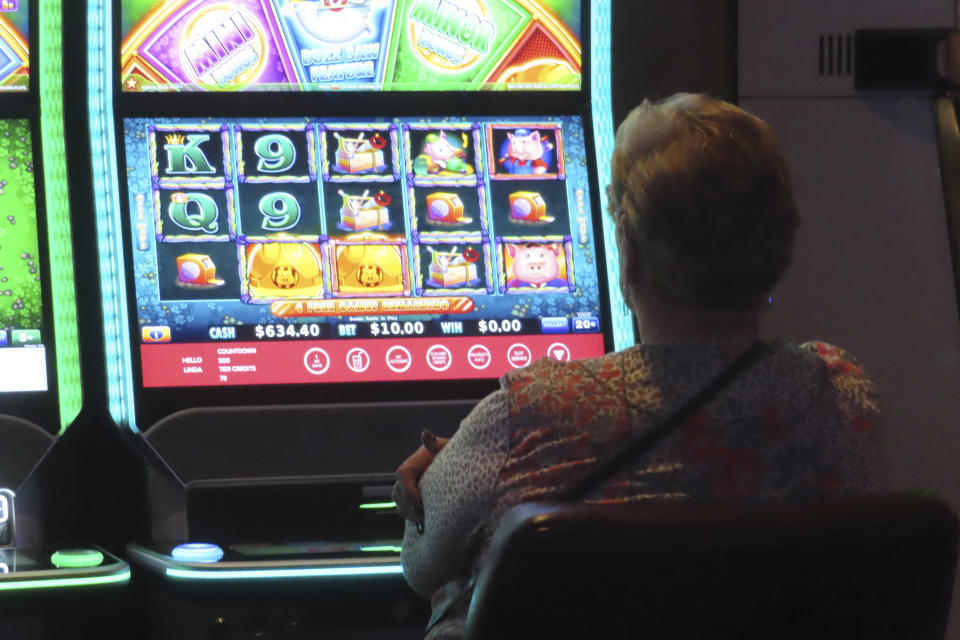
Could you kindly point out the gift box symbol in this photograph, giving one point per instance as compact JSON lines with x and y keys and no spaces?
{"x":452,"y":268}
{"x":362,"y":212}
{"x":356,"y":155}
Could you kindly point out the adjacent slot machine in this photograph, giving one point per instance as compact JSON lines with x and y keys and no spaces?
{"x":327,"y":225}
{"x":40,"y":392}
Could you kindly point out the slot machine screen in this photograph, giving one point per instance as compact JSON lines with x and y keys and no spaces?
{"x":22,"y":353}
{"x":360,"y":45}
{"x":14,"y":46}
{"x":285,"y":251}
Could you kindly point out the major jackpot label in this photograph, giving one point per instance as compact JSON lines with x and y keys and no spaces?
{"x":240,"y":45}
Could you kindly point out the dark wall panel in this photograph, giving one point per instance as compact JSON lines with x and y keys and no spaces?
{"x":661,"y":47}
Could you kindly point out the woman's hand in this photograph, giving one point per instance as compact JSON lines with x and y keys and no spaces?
{"x":406,"y":491}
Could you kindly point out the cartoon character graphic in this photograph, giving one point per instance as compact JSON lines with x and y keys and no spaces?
{"x":526,"y":152}
{"x":333,"y":21}
{"x":440,"y":157}
{"x":536,"y":265}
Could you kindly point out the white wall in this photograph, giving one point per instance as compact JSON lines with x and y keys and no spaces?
{"x":873,"y":268}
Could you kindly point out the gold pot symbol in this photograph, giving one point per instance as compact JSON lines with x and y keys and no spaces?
{"x":369,"y":268}
{"x":284,"y":270}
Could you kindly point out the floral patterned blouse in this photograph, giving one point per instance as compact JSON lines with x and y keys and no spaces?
{"x":800,"y":424}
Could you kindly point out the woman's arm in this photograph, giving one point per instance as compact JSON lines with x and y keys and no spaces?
{"x":457,"y":493}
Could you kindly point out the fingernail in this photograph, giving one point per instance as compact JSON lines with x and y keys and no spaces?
{"x":426,"y":434}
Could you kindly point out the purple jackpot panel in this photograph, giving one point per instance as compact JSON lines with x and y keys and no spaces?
{"x":191,"y":45}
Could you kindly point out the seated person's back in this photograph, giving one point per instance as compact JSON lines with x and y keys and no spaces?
{"x":705,"y":221}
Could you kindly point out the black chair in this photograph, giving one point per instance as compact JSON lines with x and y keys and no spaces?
{"x":872,"y":568}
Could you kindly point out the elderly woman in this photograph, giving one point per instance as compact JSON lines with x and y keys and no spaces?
{"x":705,"y":220}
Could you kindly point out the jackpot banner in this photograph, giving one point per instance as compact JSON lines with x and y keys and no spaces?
{"x":14,"y":45}
{"x":360,"y":45}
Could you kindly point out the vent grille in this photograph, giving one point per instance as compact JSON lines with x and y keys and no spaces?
{"x":836,"y":54}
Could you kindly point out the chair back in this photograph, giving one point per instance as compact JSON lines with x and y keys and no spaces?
{"x":876,"y":568}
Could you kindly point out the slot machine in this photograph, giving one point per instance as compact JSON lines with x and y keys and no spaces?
{"x":326,"y":225}
{"x":40,"y":386}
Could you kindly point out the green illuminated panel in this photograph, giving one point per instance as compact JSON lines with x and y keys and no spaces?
{"x":382,"y":549}
{"x":63,"y":583}
{"x":271,"y":574}
{"x":379,"y":505}
{"x":50,"y":85}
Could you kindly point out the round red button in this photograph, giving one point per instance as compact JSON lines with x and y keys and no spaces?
{"x":439,"y":357}
{"x":398,"y":359}
{"x":317,"y":361}
{"x":519,"y":356}
{"x":479,"y":357}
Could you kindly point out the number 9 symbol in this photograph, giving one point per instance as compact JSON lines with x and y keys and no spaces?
{"x":471,"y":255}
{"x":280,"y":211}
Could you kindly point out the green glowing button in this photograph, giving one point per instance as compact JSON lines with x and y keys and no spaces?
{"x":77,"y":558}
{"x":23,"y":337}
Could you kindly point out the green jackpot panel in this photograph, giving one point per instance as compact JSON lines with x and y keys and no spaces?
{"x":450,"y":47}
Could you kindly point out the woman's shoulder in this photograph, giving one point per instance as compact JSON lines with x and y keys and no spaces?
{"x":837,"y":360}
{"x":845,"y":375}
{"x":549,"y":381}
{"x":552,"y":372}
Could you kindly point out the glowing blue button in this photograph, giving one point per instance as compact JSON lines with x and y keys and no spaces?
{"x":554,"y":325}
{"x":588,"y":324}
{"x":197,"y":552}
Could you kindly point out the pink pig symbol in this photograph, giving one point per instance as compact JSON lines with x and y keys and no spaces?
{"x":536,"y":265}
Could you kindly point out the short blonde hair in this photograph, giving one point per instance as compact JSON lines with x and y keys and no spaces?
{"x":705,"y":198}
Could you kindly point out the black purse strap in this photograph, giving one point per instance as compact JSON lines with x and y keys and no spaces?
{"x":660,"y":430}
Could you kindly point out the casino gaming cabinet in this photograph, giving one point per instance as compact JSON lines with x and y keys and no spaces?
{"x":40,"y":387}
{"x":326,"y":225}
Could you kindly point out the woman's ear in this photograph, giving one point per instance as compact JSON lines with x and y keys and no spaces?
{"x":627,"y":258}
{"x":622,"y":227}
